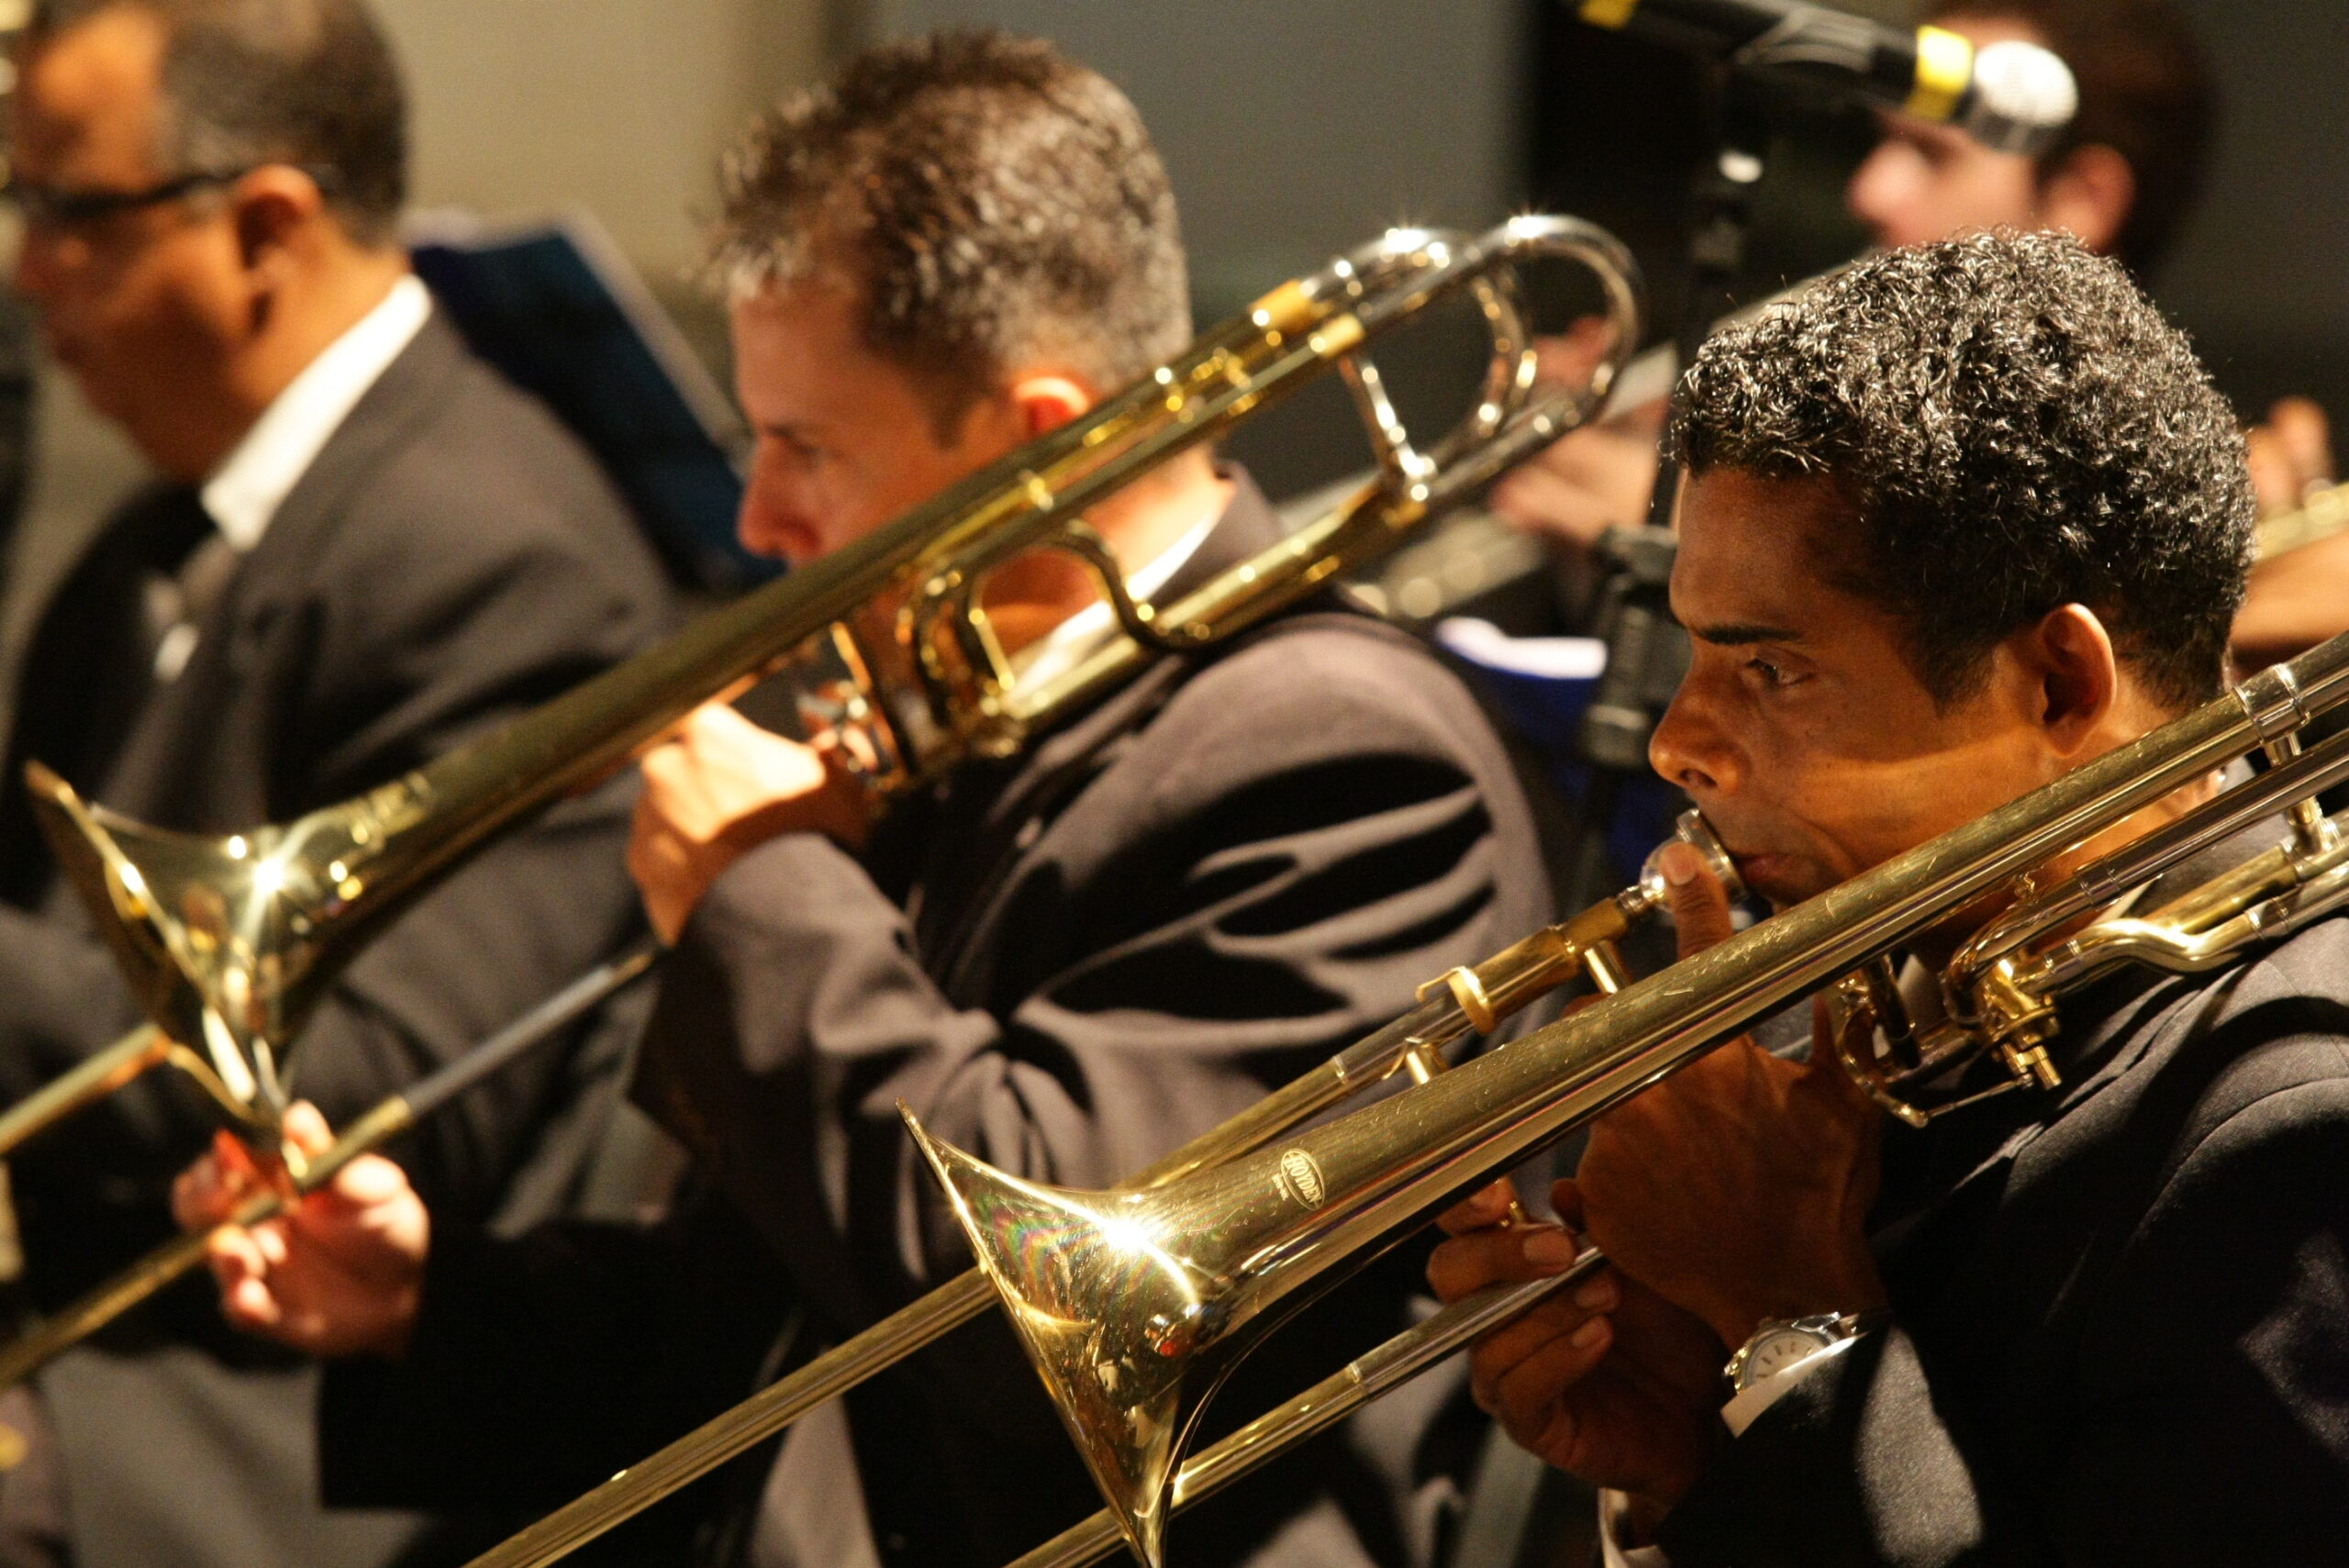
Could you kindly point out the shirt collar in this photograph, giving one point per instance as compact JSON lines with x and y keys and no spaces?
{"x":245,"y":491}
{"x":1066,"y":644}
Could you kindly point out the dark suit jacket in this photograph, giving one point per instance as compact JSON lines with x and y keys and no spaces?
{"x":1070,"y":963}
{"x":451,"y":560}
{"x":2121,"y":1319}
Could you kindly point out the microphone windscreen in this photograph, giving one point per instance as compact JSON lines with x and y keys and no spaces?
{"x":2024,"y":98}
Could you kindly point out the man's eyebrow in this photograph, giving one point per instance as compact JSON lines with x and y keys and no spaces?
{"x":1737,"y":634}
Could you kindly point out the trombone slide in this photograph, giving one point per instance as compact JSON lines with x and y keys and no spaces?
{"x":100,"y":1076}
{"x":29,"y":1351}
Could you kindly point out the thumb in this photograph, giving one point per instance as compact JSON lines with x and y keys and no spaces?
{"x":1565,"y":1200}
{"x":306,"y":1129}
{"x":1699,"y":902}
{"x":2305,"y":442}
{"x":200,"y":1198}
{"x":369,"y":1181}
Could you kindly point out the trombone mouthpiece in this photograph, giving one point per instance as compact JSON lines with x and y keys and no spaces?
{"x":1692,"y":829}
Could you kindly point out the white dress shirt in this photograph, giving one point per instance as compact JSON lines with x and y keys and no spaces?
{"x":1067,"y":644}
{"x":1741,"y":1412}
{"x":245,"y":491}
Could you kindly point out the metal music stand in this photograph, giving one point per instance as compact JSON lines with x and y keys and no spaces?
{"x":559,"y":311}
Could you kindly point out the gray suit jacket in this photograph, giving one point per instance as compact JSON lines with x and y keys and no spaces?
{"x":1069,"y":962}
{"x":451,"y":560}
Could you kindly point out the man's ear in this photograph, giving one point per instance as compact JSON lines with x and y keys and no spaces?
{"x":268,"y":206}
{"x":1047,"y":400}
{"x":2070,"y":657}
{"x":2089,"y":194}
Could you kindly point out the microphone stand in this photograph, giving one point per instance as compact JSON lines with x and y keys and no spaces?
{"x":1514,"y":1509}
{"x":1647,"y":650}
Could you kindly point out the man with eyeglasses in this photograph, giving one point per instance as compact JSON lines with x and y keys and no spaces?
{"x":365,"y":549}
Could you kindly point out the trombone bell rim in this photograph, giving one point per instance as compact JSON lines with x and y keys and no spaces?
{"x":1060,"y":1261}
{"x":148,"y":944}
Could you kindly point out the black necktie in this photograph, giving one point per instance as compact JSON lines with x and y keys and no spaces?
{"x":190,"y":562}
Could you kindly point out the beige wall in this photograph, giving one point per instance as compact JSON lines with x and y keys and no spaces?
{"x":620,"y":106}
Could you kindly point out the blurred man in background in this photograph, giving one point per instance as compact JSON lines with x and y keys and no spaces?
{"x":365,"y":549}
{"x":2123,"y":180}
{"x":2124,"y":177}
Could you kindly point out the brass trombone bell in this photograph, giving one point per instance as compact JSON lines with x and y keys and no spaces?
{"x":1415,"y":1044}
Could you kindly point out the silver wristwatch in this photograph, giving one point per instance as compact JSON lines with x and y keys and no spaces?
{"x":1780,"y":1343}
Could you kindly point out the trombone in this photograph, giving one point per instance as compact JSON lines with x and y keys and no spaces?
{"x":1150,"y":1293}
{"x":231,"y":940}
{"x":1461,"y":1002}
{"x":1145,"y":1299}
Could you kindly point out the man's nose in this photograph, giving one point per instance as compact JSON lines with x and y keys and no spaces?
{"x":1875,"y":188}
{"x":1688,"y":749}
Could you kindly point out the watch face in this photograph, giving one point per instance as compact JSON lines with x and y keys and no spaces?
{"x":1778,"y":1349}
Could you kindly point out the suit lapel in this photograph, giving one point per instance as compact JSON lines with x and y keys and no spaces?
{"x":198,"y":714}
{"x":380,"y":425}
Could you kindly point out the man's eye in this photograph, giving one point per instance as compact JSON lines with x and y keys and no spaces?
{"x":798,"y":448}
{"x":1768,"y":673}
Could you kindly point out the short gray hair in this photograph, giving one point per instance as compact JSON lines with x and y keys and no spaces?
{"x":993,"y":201}
{"x":309,"y":82}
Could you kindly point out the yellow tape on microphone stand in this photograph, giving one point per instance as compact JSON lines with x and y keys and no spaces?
{"x":1944,"y":71}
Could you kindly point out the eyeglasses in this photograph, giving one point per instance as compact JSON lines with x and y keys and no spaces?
{"x":55,"y":207}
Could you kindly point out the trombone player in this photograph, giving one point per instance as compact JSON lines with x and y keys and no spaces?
{"x":366,"y":547}
{"x":1077,"y":958}
{"x":1932,"y":557}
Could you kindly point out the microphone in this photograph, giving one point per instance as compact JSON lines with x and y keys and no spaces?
{"x":2011,"y":96}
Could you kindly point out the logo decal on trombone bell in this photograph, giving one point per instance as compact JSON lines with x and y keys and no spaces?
{"x":1301,"y":1178}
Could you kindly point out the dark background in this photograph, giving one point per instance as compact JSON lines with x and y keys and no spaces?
{"x":1618,"y":128}
{"x":1295,"y":129}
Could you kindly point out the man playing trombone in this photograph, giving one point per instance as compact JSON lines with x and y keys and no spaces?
{"x":1956,"y":523}
{"x":1075,"y":959}
{"x":366,"y":548}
